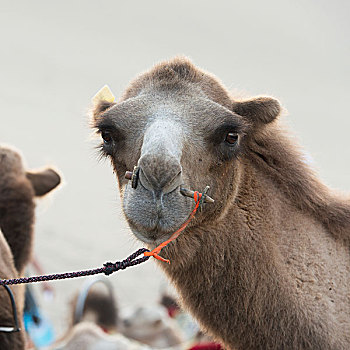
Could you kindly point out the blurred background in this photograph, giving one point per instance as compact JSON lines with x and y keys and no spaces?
{"x":55,"y":55}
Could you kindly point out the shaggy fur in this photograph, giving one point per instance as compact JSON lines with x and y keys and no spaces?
{"x":17,"y":191}
{"x":267,"y":266}
{"x":10,"y":341}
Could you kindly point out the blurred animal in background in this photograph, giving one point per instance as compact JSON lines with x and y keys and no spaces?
{"x":265,"y":266}
{"x":10,"y":337}
{"x":151,"y":324}
{"x":89,"y":336}
{"x":96,"y":303}
{"x":18,"y":188}
{"x":194,"y":337}
{"x":95,"y":321}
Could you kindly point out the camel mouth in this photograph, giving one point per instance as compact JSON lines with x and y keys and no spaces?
{"x":152,"y":219}
{"x":152,"y":237}
{"x":156,"y":233}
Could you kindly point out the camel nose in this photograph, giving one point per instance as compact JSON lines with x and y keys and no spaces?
{"x":160,"y":172}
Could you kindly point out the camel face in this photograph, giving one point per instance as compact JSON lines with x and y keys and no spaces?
{"x":11,"y":166}
{"x":175,"y":138}
{"x":11,"y":162}
{"x":181,"y":127}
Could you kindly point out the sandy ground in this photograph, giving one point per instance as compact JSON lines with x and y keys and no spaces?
{"x":54,"y":56}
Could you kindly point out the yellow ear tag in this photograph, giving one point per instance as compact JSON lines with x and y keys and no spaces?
{"x":104,"y":94}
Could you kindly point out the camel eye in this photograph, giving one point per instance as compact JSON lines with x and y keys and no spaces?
{"x":231,"y":138}
{"x":106,"y":136}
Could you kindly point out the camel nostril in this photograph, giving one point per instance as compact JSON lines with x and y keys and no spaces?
{"x":158,"y":172}
{"x":146,"y":182}
{"x":162,"y":186}
{"x":174,"y":183}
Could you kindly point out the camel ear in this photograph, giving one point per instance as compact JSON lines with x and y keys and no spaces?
{"x":258,"y":110}
{"x":100,"y":107}
{"x":43,"y":181}
{"x":103,"y":100}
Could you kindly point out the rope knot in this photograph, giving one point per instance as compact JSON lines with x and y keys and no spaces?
{"x":109,"y":268}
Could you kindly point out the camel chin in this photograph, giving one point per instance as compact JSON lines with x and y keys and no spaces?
{"x":152,"y":238}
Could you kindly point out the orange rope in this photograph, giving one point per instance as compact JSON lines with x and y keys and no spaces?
{"x":197,"y":198}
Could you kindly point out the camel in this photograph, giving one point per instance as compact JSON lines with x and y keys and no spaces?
{"x":17,"y":191}
{"x":96,"y":305}
{"x":89,"y":336}
{"x":267,"y":265}
{"x":139,"y":327}
{"x":151,"y":325}
{"x":146,"y":324}
{"x":18,"y":188}
{"x":95,"y":321}
{"x":10,"y":340}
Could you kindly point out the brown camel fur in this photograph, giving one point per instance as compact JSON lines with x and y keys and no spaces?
{"x":267,"y":265}
{"x":17,"y":191}
{"x":15,"y":340}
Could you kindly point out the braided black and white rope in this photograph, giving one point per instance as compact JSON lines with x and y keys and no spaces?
{"x":108,"y":268}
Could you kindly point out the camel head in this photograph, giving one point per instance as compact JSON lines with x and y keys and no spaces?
{"x":11,"y":167}
{"x":18,"y":187}
{"x":181,"y":128}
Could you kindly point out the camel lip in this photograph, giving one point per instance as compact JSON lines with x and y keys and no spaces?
{"x":156,"y":228}
{"x":151,"y":237}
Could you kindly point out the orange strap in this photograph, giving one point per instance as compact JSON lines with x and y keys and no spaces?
{"x":197,"y":199}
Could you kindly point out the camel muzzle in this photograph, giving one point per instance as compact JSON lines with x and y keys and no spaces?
{"x":133,"y":176}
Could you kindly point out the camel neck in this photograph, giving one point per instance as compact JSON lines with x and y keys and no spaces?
{"x":235,"y":268}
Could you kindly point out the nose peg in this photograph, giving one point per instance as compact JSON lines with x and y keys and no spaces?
{"x":133,"y":176}
{"x":190,"y":193}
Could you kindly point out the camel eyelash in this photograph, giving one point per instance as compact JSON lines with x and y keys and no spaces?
{"x":110,"y":130}
{"x":225,"y":141}
{"x":105,"y":127}
{"x":219,"y":135}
